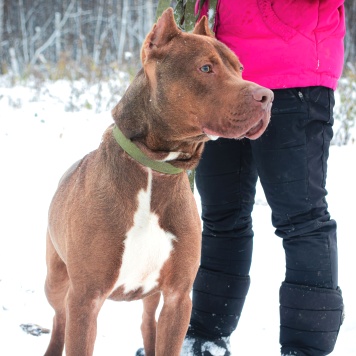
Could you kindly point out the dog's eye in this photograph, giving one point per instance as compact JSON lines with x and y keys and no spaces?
{"x":206,"y":68}
{"x":241,"y":69}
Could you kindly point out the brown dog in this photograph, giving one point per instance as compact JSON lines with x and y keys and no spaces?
{"x":123,"y":223}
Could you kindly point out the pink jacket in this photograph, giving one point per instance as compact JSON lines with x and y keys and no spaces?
{"x":284,"y":43}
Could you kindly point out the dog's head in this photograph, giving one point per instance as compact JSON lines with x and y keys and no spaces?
{"x":197,"y":83}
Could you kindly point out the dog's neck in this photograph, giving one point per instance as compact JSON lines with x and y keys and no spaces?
{"x":132,"y":150}
{"x":139,"y":122}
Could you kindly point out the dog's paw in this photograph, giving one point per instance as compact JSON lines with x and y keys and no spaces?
{"x":34,"y":329}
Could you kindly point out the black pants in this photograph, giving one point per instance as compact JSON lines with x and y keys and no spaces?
{"x":291,"y":161}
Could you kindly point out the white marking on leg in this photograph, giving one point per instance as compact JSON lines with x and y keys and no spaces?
{"x":147,"y":247}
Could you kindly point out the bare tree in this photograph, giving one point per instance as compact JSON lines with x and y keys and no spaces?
{"x":1,"y":32}
{"x":83,"y":34}
{"x":97,"y":44}
{"x":150,"y":15}
{"x":24,"y":32}
{"x":57,"y":26}
{"x":350,"y":39}
{"x":53,"y":36}
{"x":124,"y":14}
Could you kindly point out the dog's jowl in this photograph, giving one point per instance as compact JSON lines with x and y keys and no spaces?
{"x":123,"y":223}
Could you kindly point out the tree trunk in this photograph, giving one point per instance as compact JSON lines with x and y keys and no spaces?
{"x":57,"y":24}
{"x":124,"y":14}
{"x":150,"y":16}
{"x":24,"y":32}
{"x":350,"y":39}
{"x":97,"y":44}
{"x":2,"y":60}
{"x":14,"y":63}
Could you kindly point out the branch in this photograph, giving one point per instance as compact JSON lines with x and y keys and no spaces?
{"x":54,"y":34}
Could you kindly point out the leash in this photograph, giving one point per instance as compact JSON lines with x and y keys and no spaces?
{"x":133,"y":151}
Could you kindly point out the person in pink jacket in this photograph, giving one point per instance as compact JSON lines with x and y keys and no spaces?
{"x":294,"y":48}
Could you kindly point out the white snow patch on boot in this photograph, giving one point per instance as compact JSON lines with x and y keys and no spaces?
{"x":187,"y":348}
{"x":213,"y":349}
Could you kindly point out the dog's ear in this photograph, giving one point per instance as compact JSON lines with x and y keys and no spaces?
{"x":162,"y":32}
{"x":202,"y":28}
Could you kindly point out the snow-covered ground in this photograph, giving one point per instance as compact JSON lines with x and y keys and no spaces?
{"x":39,"y":139}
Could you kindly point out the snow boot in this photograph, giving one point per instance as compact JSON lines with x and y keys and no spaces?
{"x":218,"y":300}
{"x":195,"y":345}
{"x":200,"y":346}
{"x":310,"y":319}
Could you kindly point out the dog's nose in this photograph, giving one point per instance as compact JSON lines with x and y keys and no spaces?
{"x":263,"y":96}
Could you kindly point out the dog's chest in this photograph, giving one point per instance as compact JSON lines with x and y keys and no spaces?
{"x":146,"y":247}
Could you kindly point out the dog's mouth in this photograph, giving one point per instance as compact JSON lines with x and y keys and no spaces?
{"x":253,"y":132}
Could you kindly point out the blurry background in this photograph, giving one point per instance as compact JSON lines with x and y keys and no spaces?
{"x":72,"y":38}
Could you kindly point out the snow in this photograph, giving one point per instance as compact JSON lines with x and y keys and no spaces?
{"x":39,"y":139}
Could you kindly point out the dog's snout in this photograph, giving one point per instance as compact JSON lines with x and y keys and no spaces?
{"x":263,"y":96}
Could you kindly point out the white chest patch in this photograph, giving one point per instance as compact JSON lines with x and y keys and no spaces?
{"x":147,"y":247}
{"x":171,"y":156}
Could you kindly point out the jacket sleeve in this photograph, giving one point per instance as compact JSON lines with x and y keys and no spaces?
{"x":332,"y":12}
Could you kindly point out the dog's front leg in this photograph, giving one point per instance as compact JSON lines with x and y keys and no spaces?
{"x":173,"y":323}
{"x":82,"y":313}
{"x":148,"y":326}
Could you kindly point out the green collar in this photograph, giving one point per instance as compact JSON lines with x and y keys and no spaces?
{"x":132,"y":150}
